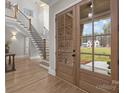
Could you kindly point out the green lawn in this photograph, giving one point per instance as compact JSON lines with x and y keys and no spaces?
{"x":88,"y":58}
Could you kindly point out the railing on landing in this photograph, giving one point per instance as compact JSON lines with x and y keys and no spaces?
{"x":13,"y":11}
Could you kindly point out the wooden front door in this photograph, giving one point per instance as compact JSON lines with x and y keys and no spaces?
{"x":98,"y":36}
{"x":65,"y":37}
{"x":87,"y":45}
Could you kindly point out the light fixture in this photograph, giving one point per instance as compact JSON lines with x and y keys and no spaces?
{"x":13,"y":36}
{"x":42,"y":5}
{"x":13,"y":33}
{"x":91,"y":6}
{"x":90,"y":15}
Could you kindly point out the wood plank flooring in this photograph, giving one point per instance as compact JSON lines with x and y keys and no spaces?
{"x":29,"y":77}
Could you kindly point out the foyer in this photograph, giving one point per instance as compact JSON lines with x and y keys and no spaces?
{"x":29,"y":77}
{"x":63,"y":46}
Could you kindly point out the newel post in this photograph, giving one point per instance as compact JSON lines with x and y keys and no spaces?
{"x":30,"y":24}
{"x":16,"y":11}
{"x":44,"y":46}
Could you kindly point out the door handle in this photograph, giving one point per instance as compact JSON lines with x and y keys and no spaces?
{"x":73,"y":55}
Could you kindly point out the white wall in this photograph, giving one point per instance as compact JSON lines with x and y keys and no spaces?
{"x":17,"y":46}
{"x":46,"y":16}
{"x":54,"y":9}
{"x":20,"y":45}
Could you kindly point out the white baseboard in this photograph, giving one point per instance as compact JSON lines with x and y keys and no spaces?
{"x":44,"y":66}
{"x":52,"y":72}
{"x":36,"y":57}
{"x":45,"y":61}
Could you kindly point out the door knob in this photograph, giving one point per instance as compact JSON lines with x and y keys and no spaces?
{"x":74,"y":50}
{"x":73,"y":55}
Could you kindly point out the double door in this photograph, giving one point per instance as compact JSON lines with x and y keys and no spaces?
{"x":87,"y":45}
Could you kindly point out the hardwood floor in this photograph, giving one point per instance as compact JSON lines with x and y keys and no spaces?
{"x":29,"y":77}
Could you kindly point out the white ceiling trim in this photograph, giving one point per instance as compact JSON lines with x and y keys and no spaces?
{"x":77,"y":1}
{"x":50,"y":2}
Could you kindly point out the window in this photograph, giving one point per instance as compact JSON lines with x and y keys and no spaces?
{"x":95,"y":48}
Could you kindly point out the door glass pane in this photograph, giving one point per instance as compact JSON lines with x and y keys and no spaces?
{"x":65,"y":38}
{"x":86,"y":47}
{"x":102,"y":46}
{"x":95,"y":47}
{"x":86,"y":61}
{"x":86,"y":38}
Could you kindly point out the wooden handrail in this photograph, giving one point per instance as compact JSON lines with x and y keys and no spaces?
{"x":23,"y":14}
{"x":17,"y":10}
{"x":30,"y":24}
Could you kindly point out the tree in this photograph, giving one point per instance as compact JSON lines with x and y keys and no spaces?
{"x":107,"y":28}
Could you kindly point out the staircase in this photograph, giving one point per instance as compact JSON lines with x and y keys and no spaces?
{"x":40,"y":40}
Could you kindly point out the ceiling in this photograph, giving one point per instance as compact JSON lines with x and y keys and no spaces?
{"x":99,"y":7}
{"x":50,"y":2}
